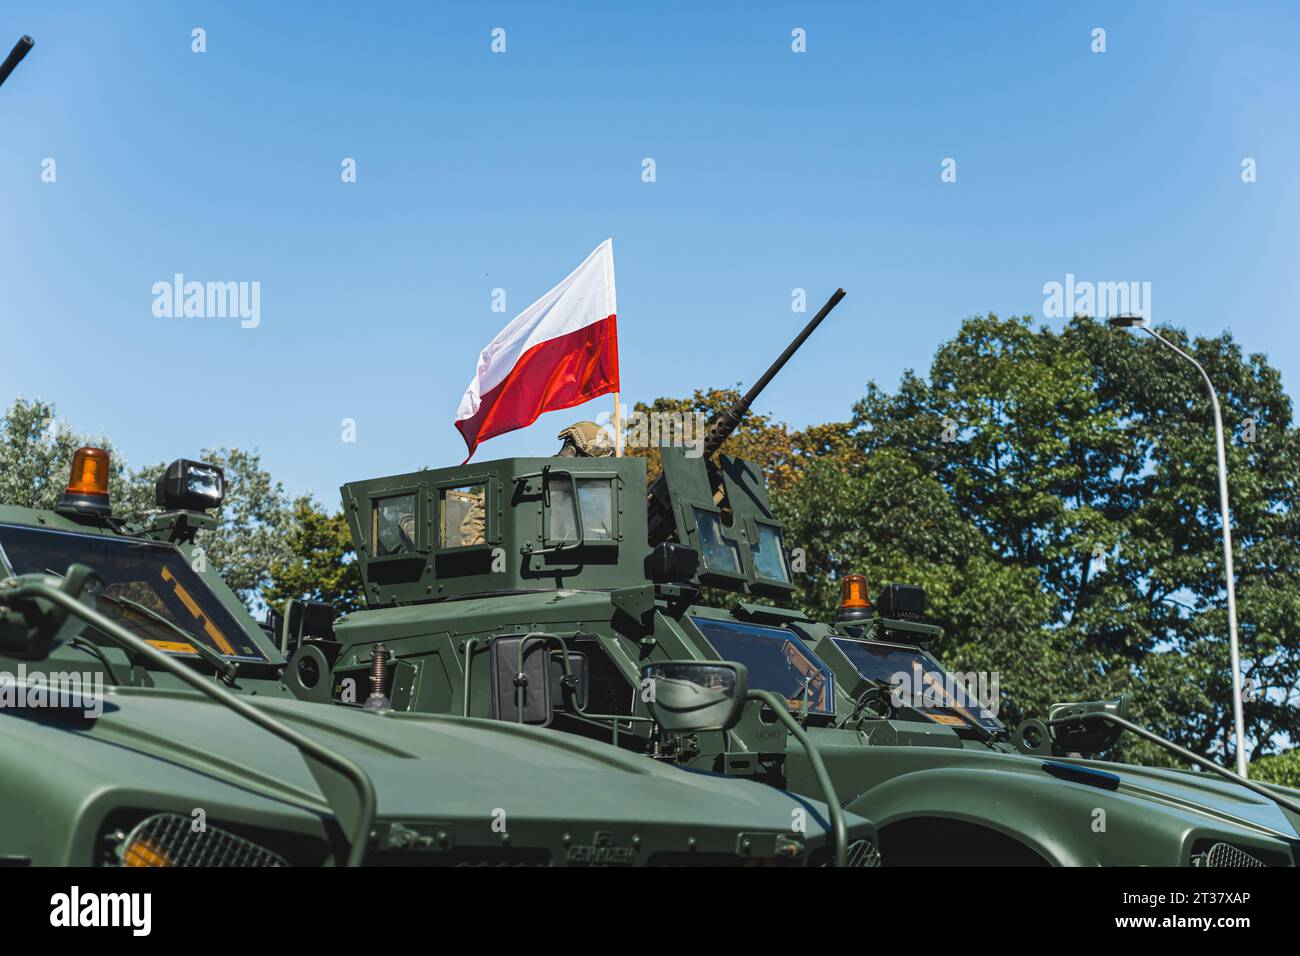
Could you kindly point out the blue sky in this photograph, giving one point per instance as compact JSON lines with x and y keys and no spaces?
{"x":476,"y":170}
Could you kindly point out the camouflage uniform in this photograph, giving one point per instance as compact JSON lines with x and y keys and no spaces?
{"x":473,"y":529}
{"x":581,"y":440}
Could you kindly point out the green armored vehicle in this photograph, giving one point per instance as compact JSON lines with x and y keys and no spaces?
{"x":554,"y":592}
{"x":142,"y":712}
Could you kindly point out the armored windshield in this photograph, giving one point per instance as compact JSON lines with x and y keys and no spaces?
{"x":922,"y":683}
{"x":719,"y":553}
{"x":777,"y":661}
{"x":137,"y":574}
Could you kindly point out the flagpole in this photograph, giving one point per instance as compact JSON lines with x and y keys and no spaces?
{"x":618,"y":428}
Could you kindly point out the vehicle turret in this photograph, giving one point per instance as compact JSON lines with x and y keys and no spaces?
{"x":511,"y":525}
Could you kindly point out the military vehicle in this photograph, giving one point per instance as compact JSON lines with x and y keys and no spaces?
{"x":152,"y":729}
{"x":545,"y":591}
{"x":142,"y":711}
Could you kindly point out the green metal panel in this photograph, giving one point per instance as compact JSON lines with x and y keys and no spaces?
{"x":516,"y":553}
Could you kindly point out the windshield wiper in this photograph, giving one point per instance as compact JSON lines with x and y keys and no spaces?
{"x":226,"y":670}
{"x":972,"y":723}
{"x":356,"y":815}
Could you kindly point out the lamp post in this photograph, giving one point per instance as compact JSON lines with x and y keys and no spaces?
{"x":1136,"y":322}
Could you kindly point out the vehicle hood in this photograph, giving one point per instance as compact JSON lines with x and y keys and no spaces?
{"x":1189,"y":795}
{"x":431,"y":766}
{"x":1197,"y":791}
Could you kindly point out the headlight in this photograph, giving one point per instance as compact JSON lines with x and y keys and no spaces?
{"x":190,"y":486}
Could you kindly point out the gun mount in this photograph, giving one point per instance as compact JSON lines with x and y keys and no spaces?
{"x":662,"y":525}
{"x":523,"y":525}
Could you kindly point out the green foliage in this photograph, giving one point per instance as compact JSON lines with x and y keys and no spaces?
{"x":1055,"y":492}
{"x":319,"y":562}
{"x":265,"y":545}
{"x":1283,"y":768}
{"x":255,"y":520}
{"x":1085,"y":458}
{"x":36,"y":456}
{"x":897,"y":524}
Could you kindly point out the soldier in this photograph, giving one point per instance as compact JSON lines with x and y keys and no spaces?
{"x":585,"y":440}
{"x":580,"y":440}
{"x":473,"y":528}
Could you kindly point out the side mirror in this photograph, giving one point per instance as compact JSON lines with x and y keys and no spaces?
{"x":31,"y":627}
{"x":1086,"y":736}
{"x":690,"y":696}
{"x":521,"y":679}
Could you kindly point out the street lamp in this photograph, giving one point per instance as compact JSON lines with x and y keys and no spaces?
{"x":1136,"y":322}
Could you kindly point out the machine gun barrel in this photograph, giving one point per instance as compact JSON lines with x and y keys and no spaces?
{"x":20,"y":50}
{"x":721,"y":429}
{"x":660,"y":514}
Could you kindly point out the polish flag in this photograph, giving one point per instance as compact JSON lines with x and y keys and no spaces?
{"x":559,"y":352}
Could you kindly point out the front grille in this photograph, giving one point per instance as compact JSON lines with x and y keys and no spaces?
{"x":863,"y":853}
{"x":1227,"y":855}
{"x":860,"y":853}
{"x":169,"y":839}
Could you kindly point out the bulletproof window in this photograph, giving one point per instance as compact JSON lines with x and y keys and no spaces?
{"x":596,"y":501}
{"x":462,"y":516}
{"x":392,"y":525}
{"x":142,"y":580}
{"x":920,"y":681}
{"x":768,"y":551}
{"x":777,"y":661}
{"x":719,"y":552}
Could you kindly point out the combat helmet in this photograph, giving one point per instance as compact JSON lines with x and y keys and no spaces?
{"x":585,"y":440}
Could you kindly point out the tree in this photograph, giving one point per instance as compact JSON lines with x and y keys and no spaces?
{"x":1055,"y":493}
{"x":896,"y":524}
{"x":254,"y":521}
{"x":319,"y":562}
{"x":36,"y":456}
{"x":1086,"y":457}
{"x":254,"y":526}
{"x":1283,"y":768}
{"x":783,"y":453}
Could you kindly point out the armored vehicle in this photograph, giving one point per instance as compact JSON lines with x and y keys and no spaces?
{"x":142,"y":713}
{"x":552,"y":591}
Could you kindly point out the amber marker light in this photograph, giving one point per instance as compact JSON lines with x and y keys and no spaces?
{"x":87,"y":490}
{"x":855,"y":603}
{"x":144,"y":853}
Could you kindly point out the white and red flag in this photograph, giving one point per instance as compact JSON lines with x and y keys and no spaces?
{"x":559,"y":352}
